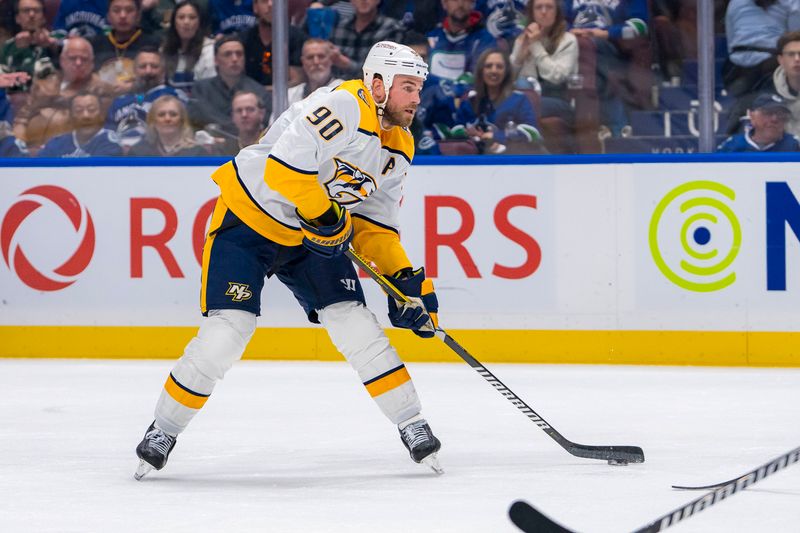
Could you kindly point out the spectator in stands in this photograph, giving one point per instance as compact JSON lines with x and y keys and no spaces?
{"x":354,"y":36}
{"x":32,"y":45}
{"x":320,"y":20}
{"x":43,"y":114}
{"x":342,"y":8}
{"x":87,"y":136}
{"x":248,"y":114}
{"x":231,"y":17}
{"x":258,"y":47}
{"x":211,"y":97}
{"x":297,"y":11}
{"x":187,"y":52}
{"x":674,"y":25}
{"x":168,"y":131}
{"x":317,"y":67}
{"x":502,"y":19}
{"x":85,"y":18}
{"x":455,"y":45}
{"x":752,"y":29}
{"x":614,"y":35}
{"x":6,"y":20}
{"x":77,"y":61}
{"x":318,"y":70}
{"x":10,"y":146}
{"x":418,"y":18}
{"x":767,"y":130}
{"x":46,"y":113}
{"x":496,"y":116}
{"x":7,"y":81}
{"x":114,"y":53}
{"x":786,"y":78}
{"x":438,"y":107}
{"x":128,"y":113}
{"x":547,"y":53}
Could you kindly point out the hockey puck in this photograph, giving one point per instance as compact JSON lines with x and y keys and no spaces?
{"x":618,"y":462}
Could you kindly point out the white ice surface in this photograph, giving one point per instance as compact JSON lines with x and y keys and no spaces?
{"x":300,"y":446}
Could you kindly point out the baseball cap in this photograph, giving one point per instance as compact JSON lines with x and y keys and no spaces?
{"x":769,"y":102}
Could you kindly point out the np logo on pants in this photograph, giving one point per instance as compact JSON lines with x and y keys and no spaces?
{"x":238,"y":291}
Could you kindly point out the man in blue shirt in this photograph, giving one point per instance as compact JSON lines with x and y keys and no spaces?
{"x":88,"y":138}
{"x":231,"y":17}
{"x":767,"y":130}
{"x":86,"y":18}
{"x":128,"y":113}
{"x":456,"y":44}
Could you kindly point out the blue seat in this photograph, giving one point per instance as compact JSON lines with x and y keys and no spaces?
{"x":690,"y":72}
{"x":647,"y":123}
{"x":676,"y":98}
{"x":668,"y":123}
{"x":679,"y":123}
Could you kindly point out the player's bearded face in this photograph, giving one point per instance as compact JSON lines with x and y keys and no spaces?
{"x":399,"y":115}
{"x":403,"y":101}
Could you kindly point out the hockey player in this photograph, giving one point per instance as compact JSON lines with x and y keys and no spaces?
{"x":285,"y":210}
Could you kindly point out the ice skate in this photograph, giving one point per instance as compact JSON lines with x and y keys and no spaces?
{"x":421,"y":443}
{"x":153,"y":451}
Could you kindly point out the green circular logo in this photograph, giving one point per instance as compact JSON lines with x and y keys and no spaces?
{"x":694,"y":236}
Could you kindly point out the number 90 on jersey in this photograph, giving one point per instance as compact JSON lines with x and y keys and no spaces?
{"x":327,"y":125}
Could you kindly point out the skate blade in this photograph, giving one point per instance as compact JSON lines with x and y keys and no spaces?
{"x":143,"y":469}
{"x":433,"y":463}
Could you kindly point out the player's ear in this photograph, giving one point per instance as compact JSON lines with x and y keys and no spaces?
{"x":377,"y":89}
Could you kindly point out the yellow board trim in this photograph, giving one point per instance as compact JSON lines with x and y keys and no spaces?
{"x":182,"y":396}
{"x":387,"y":383}
{"x":702,"y":348}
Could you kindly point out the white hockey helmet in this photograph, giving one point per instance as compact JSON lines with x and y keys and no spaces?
{"x":390,"y":59}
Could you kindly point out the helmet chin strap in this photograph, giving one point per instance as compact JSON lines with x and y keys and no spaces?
{"x":380,"y":108}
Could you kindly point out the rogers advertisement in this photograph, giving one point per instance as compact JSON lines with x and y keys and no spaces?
{"x":651,"y":246}
{"x":122,"y":246}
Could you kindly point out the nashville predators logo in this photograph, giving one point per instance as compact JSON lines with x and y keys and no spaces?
{"x":238,"y":291}
{"x":349,"y":185}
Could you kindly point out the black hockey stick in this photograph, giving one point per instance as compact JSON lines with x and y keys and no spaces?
{"x":530,"y":520}
{"x":612,"y":454}
{"x":706,"y":487}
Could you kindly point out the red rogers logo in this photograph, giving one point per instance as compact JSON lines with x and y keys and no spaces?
{"x":15,"y":258}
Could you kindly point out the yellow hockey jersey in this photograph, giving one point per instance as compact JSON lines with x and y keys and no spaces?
{"x":328,"y":146}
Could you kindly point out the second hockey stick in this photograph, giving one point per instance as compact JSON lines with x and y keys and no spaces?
{"x":612,"y":454}
{"x":531,"y":520}
{"x":705,"y":487}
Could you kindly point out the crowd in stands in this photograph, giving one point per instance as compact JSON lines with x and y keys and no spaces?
{"x":194,"y":77}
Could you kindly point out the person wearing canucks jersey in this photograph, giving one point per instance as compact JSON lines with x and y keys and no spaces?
{"x":328,"y":174}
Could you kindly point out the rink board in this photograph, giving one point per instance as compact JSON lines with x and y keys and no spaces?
{"x":692,"y":260}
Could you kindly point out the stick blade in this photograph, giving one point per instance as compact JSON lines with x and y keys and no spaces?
{"x":619,"y":454}
{"x":706,"y":487}
{"x":530,"y":520}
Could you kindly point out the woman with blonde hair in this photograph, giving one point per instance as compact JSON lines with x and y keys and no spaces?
{"x":168,"y":131}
